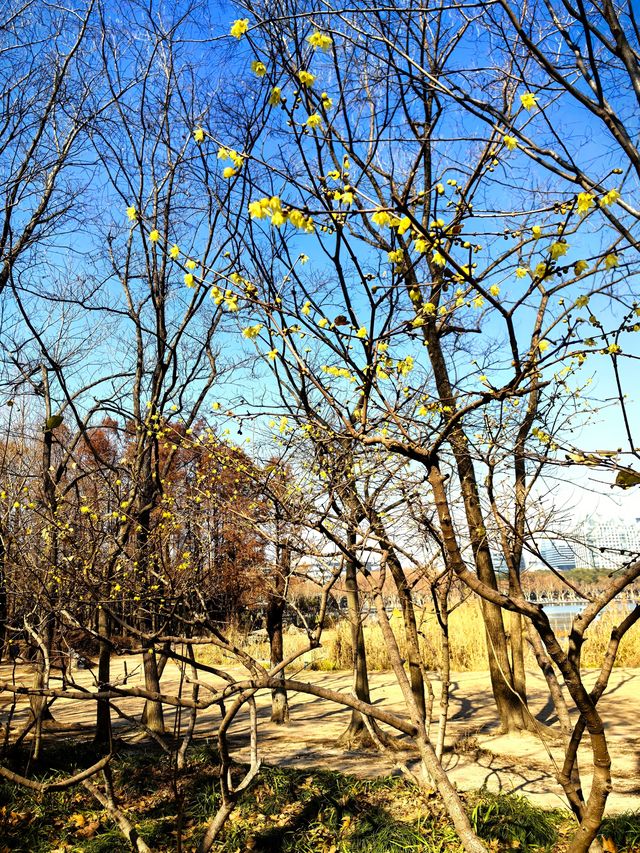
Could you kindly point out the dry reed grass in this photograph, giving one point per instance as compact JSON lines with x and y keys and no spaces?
{"x":467,"y":643}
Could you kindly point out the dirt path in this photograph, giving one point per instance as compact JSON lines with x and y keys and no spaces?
{"x":520,"y":764}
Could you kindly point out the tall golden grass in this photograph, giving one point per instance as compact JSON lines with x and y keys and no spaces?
{"x":466,"y":643}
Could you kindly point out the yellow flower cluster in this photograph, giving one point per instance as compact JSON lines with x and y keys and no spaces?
{"x":584,"y":203}
{"x":306,"y":78}
{"x":252,"y":332}
{"x":239,"y":27}
{"x":320,"y":40}
{"x":272,"y":208}
{"x":338,"y":372}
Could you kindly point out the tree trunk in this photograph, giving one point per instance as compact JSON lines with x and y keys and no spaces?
{"x":152,"y":715}
{"x":275,"y":610}
{"x":507,"y":700}
{"x":102,"y":737}
{"x":408,"y":614}
{"x":356,"y":733}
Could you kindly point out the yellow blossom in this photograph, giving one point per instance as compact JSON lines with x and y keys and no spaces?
{"x":327,"y":102}
{"x":273,"y":353}
{"x":558,"y":249}
{"x":420,"y":245}
{"x":229,"y":172}
{"x":252,"y":332}
{"x":323,"y":323}
{"x":198,"y":134}
{"x":438,"y":259}
{"x":191,"y":264}
{"x":510,"y":142}
{"x":306,"y":78}
{"x":584,"y":203}
{"x":580,"y":266}
{"x":306,"y":308}
{"x":396,"y":256}
{"x":381,"y":217}
{"x":428,"y":308}
{"x":609,"y":197}
{"x":314,"y":120}
{"x":494,"y":290}
{"x":521,"y":272}
{"x":189,"y":279}
{"x":478,"y":301}
{"x":257,"y":210}
{"x":275,"y":97}
{"x":582,"y":301}
{"x":611,"y":261}
{"x":361,"y":333}
{"x":174,"y":251}
{"x":528,"y":100}
{"x":321,"y":40}
{"x":154,"y":235}
{"x":258,"y":68}
{"x":403,"y":225}
{"x":537,"y":232}
{"x":543,"y":345}
{"x":231,"y":302}
{"x":132,"y":214}
{"x":614,"y":348}
{"x":239,"y":27}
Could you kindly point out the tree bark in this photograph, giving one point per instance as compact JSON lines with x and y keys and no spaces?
{"x":275,"y":610}
{"x":356,"y":733}
{"x":102,"y":737}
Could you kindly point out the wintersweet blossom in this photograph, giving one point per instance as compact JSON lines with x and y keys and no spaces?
{"x":584,"y":203}
{"x":306,"y":78}
{"x":609,"y":198}
{"x":239,"y":27}
{"x":528,"y":100}
{"x":320,"y":40}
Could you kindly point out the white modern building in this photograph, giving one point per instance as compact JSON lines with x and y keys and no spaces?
{"x":607,"y":544}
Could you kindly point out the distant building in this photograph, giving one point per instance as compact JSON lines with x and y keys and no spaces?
{"x":607,"y":544}
{"x":558,"y":554}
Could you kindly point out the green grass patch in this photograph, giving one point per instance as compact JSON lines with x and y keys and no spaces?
{"x":287,"y":810}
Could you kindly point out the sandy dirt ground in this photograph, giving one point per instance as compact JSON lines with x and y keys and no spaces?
{"x":522,"y":764}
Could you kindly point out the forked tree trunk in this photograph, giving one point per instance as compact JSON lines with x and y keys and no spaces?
{"x":507,"y":701}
